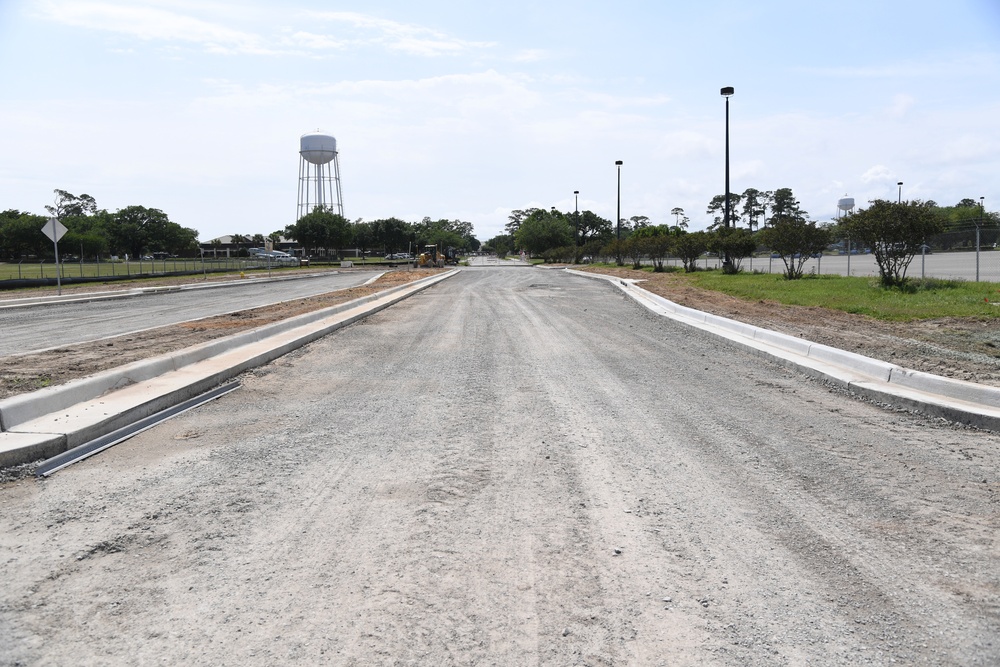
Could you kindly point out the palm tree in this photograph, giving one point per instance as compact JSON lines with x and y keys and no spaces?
{"x":237,"y":240}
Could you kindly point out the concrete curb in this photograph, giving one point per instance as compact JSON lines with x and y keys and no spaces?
{"x":956,"y":400}
{"x":47,"y":422}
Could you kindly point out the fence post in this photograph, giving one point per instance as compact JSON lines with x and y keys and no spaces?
{"x":977,"y":253}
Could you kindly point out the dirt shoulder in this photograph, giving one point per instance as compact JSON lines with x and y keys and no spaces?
{"x":961,"y":348}
{"x":25,"y":373}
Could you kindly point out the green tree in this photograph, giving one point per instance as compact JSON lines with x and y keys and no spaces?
{"x":753,"y":207}
{"x":501,"y":245}
{"x":681,"y":220}
{"x":391,"y":233}
{"x":733,"y":245}
{"x":717,"y":209}
{"x":616,"y":248}
{"x":794,"y":239}
{"x":895,"y":233}
{"x":89,"y":243}
{"x":543,"y":230}
{"x":516,"y":217}
{"x":635,"y":249}
{"x":21,"y":235}
{"x":654,"y":242}
{"x":636,"y":222}
{"x":364,"y":236}
{"x":67,"y":204}
{"x":784,"y":204}
{"x":442,"y":233}
{"x":321,"y":229}
{"x":689,"y":246}
{"x":593,"y":228}
{"x":137,"y":229}
{"x":238,"y":240}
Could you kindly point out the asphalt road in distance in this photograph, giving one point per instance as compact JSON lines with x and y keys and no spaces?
{"x":43,"y":327}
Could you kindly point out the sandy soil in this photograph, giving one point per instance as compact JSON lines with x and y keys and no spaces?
{"x":514,"y":468}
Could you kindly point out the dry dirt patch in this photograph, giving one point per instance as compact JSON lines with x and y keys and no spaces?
{"x":25,"y":373}
{"x":961,"y":348}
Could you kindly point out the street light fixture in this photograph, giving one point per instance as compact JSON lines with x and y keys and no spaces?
{"x":900,"y":199}
{"x":618,"y":218}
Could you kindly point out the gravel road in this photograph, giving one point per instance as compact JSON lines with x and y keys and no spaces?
{"x":514,"y":467}
{"x":43,"y":327}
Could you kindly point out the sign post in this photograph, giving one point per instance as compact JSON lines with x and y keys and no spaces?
{"x":55,"y":230}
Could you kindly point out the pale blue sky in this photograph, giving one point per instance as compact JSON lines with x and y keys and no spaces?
{"x":468,"y":110}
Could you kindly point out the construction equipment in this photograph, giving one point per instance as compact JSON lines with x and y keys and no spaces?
{"x":433,"y":256}
{"x":430,"y":256}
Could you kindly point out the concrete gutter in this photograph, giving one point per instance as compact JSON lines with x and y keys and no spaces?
{"x":956,"y":400}
{"x":47,"y":422}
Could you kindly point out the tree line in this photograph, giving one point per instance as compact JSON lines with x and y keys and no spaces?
{"x":327,"y":233}
{"x":894,"y":232}
{"x":132,"y":231}
{"x":135,"y":231}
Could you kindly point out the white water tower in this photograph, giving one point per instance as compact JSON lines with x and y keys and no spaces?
{"x":845,"y":204}
{"x":319,"y":174}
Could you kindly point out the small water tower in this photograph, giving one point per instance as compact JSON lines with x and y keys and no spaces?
{"x":845,"y":204}
{"x":319,"y":174}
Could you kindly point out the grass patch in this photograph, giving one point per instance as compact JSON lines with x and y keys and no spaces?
{"x":920,"y":299}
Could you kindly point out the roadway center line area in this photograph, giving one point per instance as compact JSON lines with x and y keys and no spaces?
{"x":514,"y":467}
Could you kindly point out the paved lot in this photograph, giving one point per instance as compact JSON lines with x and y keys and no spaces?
{"x":514,"y":467}
{"x":43,"y":327}
{"x":951,"y":265}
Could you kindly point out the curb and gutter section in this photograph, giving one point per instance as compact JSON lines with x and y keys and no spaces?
{"x":956,"y":400}
{"x":50,"y":421}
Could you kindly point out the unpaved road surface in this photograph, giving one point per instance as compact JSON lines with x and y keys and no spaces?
{"x":514,"y":468}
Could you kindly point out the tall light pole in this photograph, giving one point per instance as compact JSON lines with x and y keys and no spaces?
{"x":726,"y":262}
{"x":899,"y":200}
{"x":576,"y":217}
{"x":726,"y":92}
{"x":618,"y":163}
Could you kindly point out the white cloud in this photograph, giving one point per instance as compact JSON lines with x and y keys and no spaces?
{"x":877,"y":174}
{"x":149,"y":23}
{"x":315,"y":42}
{"x":901,"y":104}
{"x":396,"y":36}
{"x":182,"y":22}
{"x":530,"y":56}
